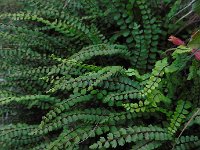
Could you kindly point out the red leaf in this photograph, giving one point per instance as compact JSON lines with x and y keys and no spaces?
{"x":197,"y":54}
{"x":176,"y":41}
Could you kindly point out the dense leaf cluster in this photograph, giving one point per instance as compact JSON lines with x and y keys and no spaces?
{"x":89,"y":74}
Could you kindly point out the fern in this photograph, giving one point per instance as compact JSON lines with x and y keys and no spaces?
{"x":93,"y":74}
{"x":131,"y":135}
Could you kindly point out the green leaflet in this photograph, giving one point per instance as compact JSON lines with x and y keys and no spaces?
{"x":146,"y":145}
{"x":194,"y":41}
{"x":196,"y":7}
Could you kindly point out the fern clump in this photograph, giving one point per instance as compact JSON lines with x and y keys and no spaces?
{"x":97,"y":75}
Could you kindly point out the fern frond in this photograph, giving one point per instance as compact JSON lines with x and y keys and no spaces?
{"x":179,"y":116}
{"x":133,"y":134}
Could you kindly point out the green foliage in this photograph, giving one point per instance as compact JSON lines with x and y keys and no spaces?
{"x":187,"y":142}
{"x":133,"y":134}
{"x":90,"y":74}
{"x":179,"y":115}
{"x":196,"y":6}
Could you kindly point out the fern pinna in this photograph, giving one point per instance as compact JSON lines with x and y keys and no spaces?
{"x":88,"y":74}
